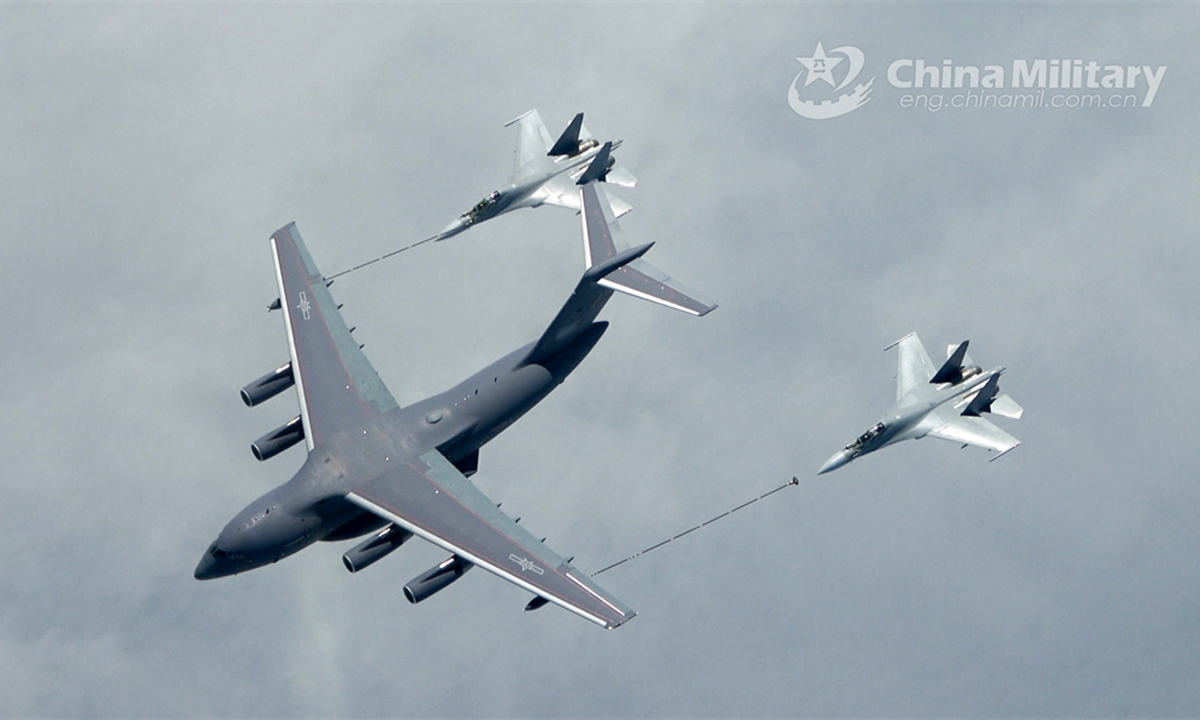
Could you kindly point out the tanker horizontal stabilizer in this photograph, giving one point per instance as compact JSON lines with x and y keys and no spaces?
{"x":638,"y":278}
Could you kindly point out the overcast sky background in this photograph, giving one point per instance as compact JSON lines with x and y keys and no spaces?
{"x":148,"y":151}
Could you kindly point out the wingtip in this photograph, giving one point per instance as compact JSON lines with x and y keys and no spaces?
{"x":628,"y":616}
{"x":519,"y":117}
{"x":1014,"y":447}
{"x":889,"y":347}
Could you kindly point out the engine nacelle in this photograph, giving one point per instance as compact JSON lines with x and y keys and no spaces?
{"x":385,"y":541}
{"x":436,"y":578}
{"x":278,"y":440}
{"x":268,"y":386}
{"x":585,"y":145}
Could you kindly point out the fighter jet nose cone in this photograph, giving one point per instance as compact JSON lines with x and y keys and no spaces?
{"x":452,"y":229}
{"x":839,"y":459}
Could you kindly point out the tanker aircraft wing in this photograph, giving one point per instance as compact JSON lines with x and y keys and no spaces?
{"x":336,"y":384}
{"x":429,"y":497}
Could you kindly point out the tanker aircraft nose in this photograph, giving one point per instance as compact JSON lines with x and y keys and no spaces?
{"x":218,"y":563}
{"x":839,"y":459}
{"x":207,"y":568}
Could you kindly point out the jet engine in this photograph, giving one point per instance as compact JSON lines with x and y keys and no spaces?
{"x":268,"y":386}
{"x":278,"y":440}
{"x":385,"y":541}
{"x":585,"y":145}
{"x":436,"y":578}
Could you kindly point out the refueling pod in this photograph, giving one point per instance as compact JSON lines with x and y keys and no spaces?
{"x":436,"y":578}
{"x":278,"y":440}
{"x":367,"y":553}
{"x":268,"y":386}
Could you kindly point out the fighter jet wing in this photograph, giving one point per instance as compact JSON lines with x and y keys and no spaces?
{"x":561,"y":191}
{"x":973,"y":430}
{"x":429,"y":497}
{"x":533,"y":140}
{"x":914,"y":367}
{"x":336,"y":383}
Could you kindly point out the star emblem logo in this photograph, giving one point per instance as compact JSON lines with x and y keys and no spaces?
{"x":304,"y":306}
{"x":820,"y":67}
{"x":526,"y":564}
{"x":829,"y":102}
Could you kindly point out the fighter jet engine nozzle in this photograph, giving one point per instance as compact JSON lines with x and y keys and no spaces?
{"x":367,"y":553}
{"x":268,"y":386}
{"x":584,"y":146}
{"x":436,"y":578}
{"x":278,"y":440}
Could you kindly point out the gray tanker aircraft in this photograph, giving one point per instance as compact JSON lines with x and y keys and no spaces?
{"x":544,"y":173}
{"x":946,"y":403}
{"x":376,"y":467}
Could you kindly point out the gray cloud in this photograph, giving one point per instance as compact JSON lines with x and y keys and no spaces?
{"x":150,"y":150}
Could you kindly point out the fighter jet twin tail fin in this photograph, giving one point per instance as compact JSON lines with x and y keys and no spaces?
{"x":959,"y":366}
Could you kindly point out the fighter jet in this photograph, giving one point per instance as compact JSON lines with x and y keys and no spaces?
{"x":545,"y":173}
{"x":946,"y":403}
{"x":375,"y":467}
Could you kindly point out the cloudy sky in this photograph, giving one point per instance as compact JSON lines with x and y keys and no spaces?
{"x":150,"y":150}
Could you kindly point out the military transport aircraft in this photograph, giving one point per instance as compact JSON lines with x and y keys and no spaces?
{"x":946,"y":403}
{"x":545,"y":173}
{"x":376,"y":467}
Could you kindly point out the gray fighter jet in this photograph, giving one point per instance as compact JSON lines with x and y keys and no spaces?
{"x":545,"y":173}
{"x":946,"y":403}
{"x":376,"y":467}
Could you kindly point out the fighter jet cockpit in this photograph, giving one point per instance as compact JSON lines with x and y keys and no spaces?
{"x":867,"y":437}
{"x":473,"y":214}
